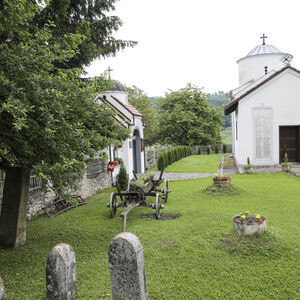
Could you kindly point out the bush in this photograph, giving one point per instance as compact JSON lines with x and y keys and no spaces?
{"x":216,"y":149}
{"x":224,"y":148}
{"x":199,"y":150}
{"x":122,"y":178}
{"x":207,"y":150}
{"x":161,"y":163}
{"x":170,"y":157}
{"x":166,"y":159}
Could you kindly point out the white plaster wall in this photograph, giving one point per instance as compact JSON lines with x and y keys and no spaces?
{"x":282,"y":94}
{"x":122,"y":96}
{"x":253,"y":67}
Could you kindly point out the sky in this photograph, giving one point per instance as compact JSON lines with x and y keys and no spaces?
{"x":196,"y":41}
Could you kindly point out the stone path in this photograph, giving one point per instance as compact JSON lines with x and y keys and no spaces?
{"x":182,"y":176}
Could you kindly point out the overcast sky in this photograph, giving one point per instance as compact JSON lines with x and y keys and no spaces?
{"x":197,"y":41}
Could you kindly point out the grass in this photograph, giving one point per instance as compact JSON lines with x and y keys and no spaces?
{"x":194,"y":164}
{"x":195,"y":256}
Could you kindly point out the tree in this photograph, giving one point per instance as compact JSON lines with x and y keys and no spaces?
{"x":49,"y":118}
{"x":88,"y":18}
{"x":144,"y":105}
{"x":185,"y":118}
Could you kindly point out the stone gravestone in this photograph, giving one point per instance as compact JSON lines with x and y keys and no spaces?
{"x":127,"y":269}
{"x":61,"y":273}
{"x":2,"y":289}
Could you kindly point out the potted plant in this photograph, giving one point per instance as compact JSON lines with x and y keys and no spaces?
{"x":248,"y":224}
{"x":248,"y":167}
{"x":286,"y":166}
{"x":221,"y":180}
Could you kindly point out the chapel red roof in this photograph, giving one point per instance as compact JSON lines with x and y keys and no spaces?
{"x":129,"y":107}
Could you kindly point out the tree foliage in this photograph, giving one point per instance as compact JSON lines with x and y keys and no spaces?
{"x":144,"y":105}
{"x":185,"y":118}
{"x":49,"y":118}
{"x":220,"y":99}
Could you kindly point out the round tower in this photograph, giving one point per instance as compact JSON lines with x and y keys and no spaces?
{"x":260,"y":61}
{"x":117,"y":90}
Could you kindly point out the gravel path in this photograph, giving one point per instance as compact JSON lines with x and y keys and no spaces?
{"x":182,"y":176}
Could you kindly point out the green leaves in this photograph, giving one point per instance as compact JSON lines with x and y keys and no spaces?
{"x":185,"y":118}
{"x":49,"y":118}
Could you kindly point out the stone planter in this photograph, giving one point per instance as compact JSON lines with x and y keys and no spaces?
{"x":286,"y":168}
{"x":249,"y":228}
{"x":222,"y":181}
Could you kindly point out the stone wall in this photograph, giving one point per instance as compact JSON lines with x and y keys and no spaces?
{"x":96,"y":178}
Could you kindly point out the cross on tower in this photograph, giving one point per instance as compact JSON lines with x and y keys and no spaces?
{"x":109,"y":70}
{"x":264,"y":37}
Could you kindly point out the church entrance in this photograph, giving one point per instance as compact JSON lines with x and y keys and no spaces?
{"x":289,"y":138}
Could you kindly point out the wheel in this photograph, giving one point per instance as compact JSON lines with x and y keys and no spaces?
{"x":113,"y":204}
{"x":166,"y":190}
{"x":157,"y":206}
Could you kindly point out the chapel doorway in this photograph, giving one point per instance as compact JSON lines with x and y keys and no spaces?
{"x":289,"y":143}
{"x":136,"y":145}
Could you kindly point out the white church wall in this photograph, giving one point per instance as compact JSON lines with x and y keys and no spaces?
{"x":253,"y":67}
{"x":122,"y":96}
{"x":278,"y":104}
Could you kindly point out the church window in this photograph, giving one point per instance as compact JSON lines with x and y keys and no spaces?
{"x":266,"y":69}
{"x":262,"y":131}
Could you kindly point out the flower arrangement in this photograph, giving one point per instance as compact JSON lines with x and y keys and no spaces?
{"x":248,"y":224}
{"x":245,"y":217}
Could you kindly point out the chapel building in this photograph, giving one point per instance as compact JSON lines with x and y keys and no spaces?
{"x":132,"y":150}
{"x":265,"y":108}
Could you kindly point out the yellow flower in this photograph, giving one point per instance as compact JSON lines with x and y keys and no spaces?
{"x":257,"y":216}
{"x":243,"y":217}
{"x":247,"y":212}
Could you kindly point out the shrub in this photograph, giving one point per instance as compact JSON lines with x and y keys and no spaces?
{"x":216,"y":149}
{"x":122,"y":178}
{"x":175,"y":154}
{"x":166,"y":159}
{"x":199,"y":150}
{"x":224,"y":148}
{"x":207,"y":150}
{"x":170,"y":157}
{"x":161,"y":164}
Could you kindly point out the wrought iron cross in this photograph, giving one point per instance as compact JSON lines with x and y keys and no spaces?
{"x":264,"y":37}
{"x":109,"y":70}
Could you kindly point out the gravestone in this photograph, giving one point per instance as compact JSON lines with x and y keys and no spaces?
{"x":61,"y":273}
{"x":2,"y":289}
{"x":127,"y":269}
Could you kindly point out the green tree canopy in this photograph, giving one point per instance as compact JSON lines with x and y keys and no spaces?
{"x":49,"y":118}
{"x":144,"y":105}
{"x":185,"y":118}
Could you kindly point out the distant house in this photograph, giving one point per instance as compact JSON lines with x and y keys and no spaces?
{"x":132,"y":150}
{"x":265,"y":108}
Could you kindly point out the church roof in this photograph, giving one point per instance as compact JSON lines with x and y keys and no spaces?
{"x":229,"y":108}
{"x":129,"y":107}
{"x":264,"y":49}
{"x":117,"y":86}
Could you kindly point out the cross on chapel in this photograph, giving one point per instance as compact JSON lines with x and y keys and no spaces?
{"x":109,"y":70}
{"x":264,"y":37}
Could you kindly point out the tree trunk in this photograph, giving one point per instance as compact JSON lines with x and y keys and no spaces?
{"x":14,"y":207}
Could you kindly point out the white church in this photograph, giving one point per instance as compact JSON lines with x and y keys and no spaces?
{"x":132,"y":150}
{"x":265,"y":108}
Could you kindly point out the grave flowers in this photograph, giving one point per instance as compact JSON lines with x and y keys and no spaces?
{"x":248,"y":224}
{"x":286,"y":166}
{"x":221,"y":180}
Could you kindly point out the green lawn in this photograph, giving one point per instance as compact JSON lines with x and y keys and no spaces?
{"x":194,"y":164}
{"x":196,"y":256}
